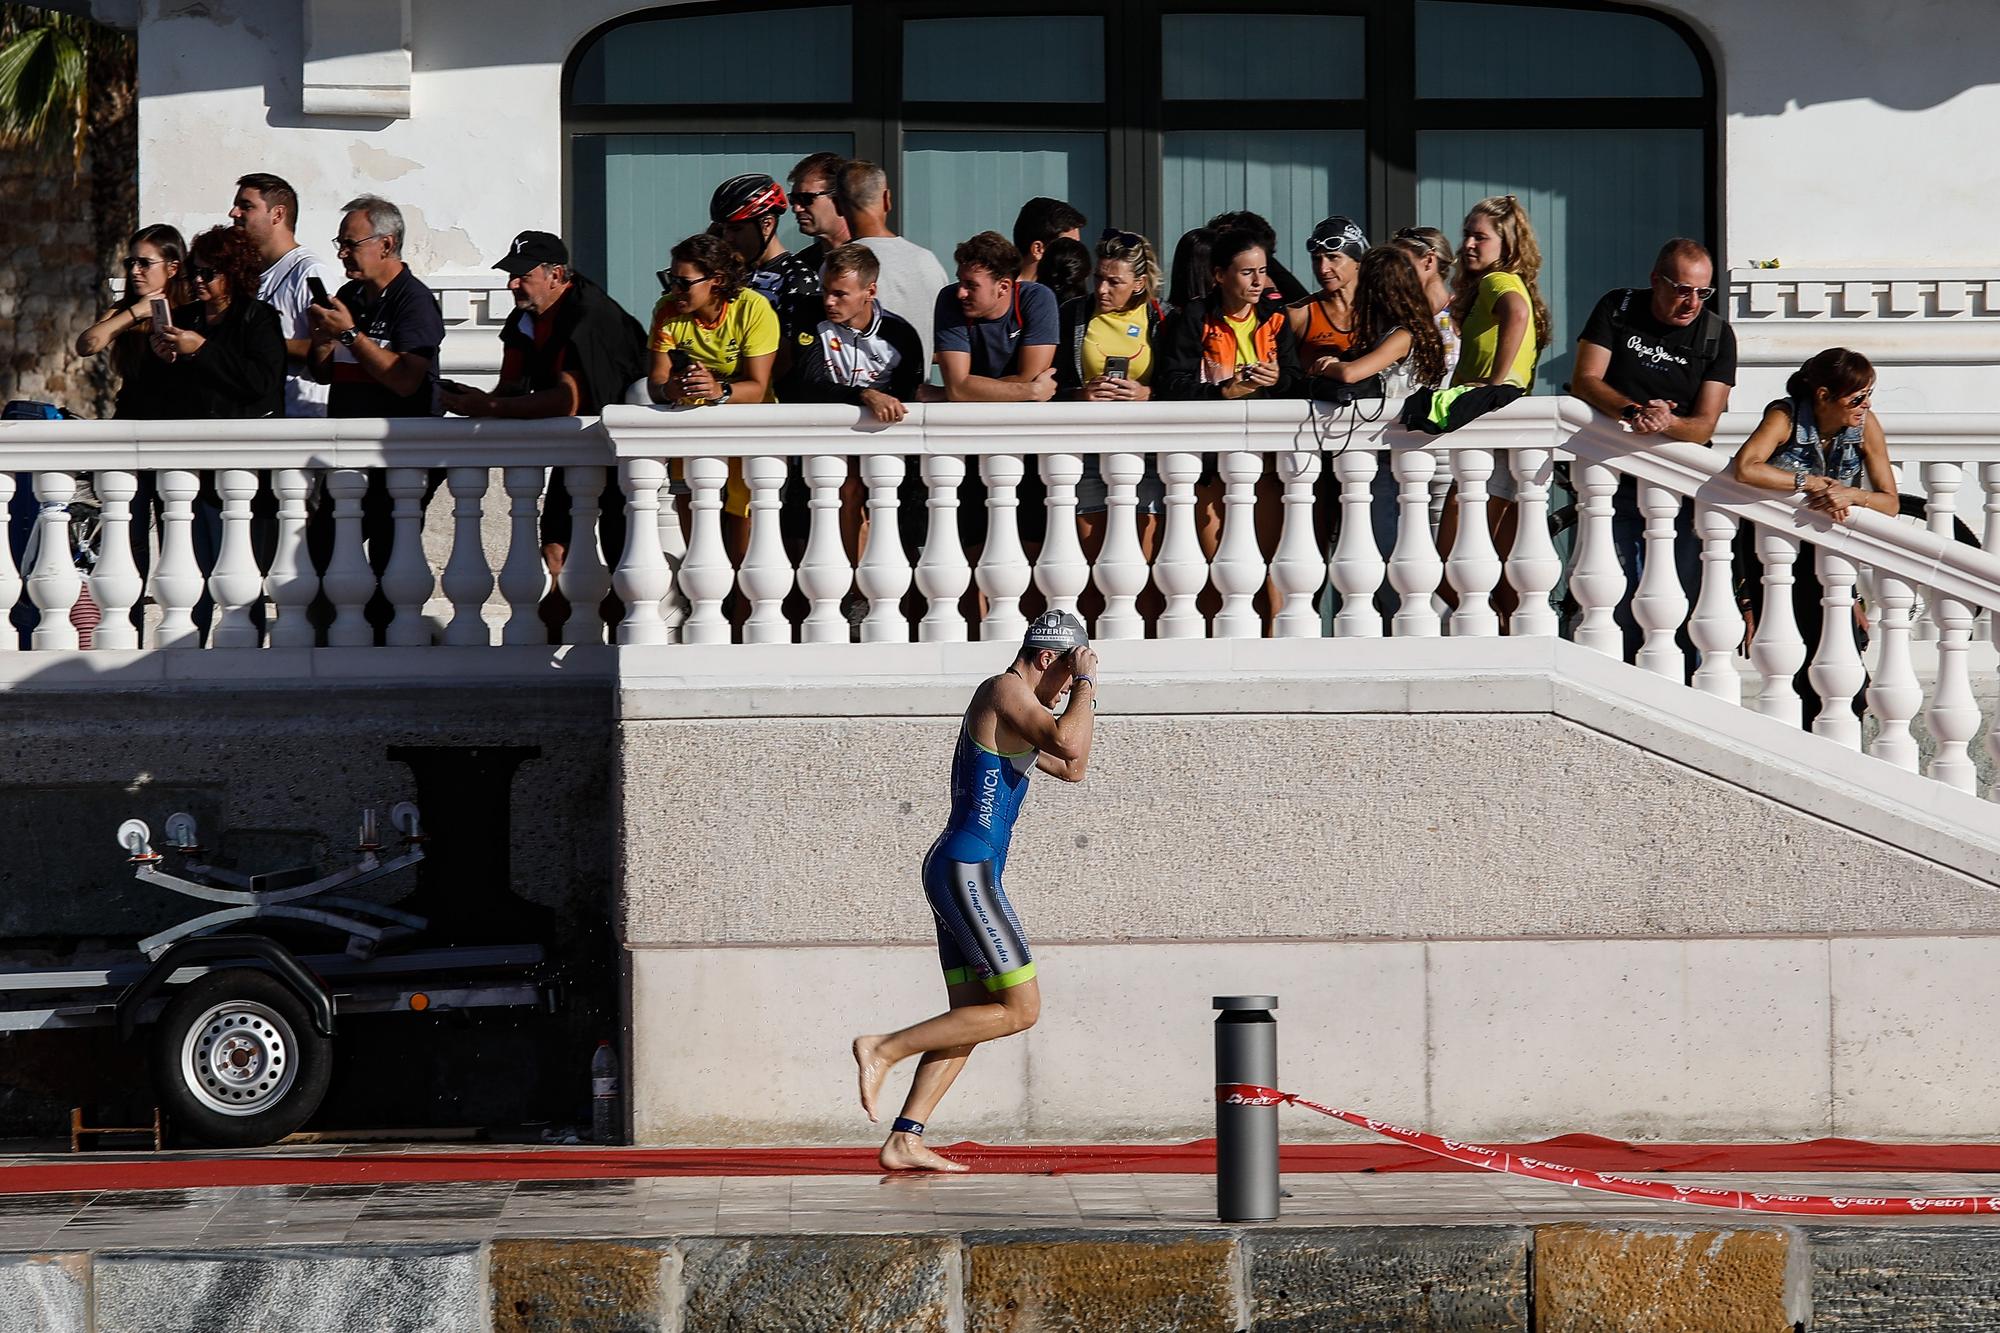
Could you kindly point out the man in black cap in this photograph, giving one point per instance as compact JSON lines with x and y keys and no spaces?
{"x":566,"y":351}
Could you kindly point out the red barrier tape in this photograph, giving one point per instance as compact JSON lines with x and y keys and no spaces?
{"x":1495,"y":1159}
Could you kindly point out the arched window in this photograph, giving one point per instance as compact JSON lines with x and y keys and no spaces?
{"x":1155,"y":115}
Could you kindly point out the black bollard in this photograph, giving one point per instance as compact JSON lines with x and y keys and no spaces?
{"x":1246,"y":1137}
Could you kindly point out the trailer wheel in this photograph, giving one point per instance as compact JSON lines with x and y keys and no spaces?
{"x":237,"y":1060}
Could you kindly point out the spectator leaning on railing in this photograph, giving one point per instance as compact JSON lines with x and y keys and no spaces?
{"x":995,"y":335}
{"x":859,"y":353}
{"x":1324,"y":322}
{"x":267,"y":208}
{"x":1232,"y":343}
{"x":376,"y":342}
{"x":1430,"y":252}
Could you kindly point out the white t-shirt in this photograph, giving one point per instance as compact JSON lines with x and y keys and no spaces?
{"x":910,"y":282}
{"x":284,"y":287}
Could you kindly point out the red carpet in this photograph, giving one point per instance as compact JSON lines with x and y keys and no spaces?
{"x":1586,"y":1151}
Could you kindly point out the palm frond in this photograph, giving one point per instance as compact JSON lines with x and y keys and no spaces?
{"x":44,"y":83}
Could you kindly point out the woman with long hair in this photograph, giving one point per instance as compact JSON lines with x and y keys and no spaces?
{"x":1189,"y":276}
{"x":1496,"y":298}
{"x":155,"y":265}
{"x":1430,"y":252}
{"x":1393,"y":325}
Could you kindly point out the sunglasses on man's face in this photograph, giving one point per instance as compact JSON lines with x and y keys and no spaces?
{"x":1683,"y":291}
{"x":671,"y":282}
{"x":807,"y":198}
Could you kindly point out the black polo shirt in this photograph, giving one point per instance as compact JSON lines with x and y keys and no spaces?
{"x":1650,"y":359}
{"x":404,"y":318}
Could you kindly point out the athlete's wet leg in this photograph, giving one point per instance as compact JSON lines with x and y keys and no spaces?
{"x":936,"y":1071}
{"x":987,"y":1018}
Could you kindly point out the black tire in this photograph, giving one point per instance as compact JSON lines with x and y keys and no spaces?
{"x":237,"y":1061}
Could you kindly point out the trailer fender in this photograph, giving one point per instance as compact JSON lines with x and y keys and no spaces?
{"x":215,"y":948}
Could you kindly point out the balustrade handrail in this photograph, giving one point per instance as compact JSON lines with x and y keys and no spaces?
{"x":300,"y":442}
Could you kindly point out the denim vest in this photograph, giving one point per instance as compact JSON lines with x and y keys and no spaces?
{"x":1838,"y":458}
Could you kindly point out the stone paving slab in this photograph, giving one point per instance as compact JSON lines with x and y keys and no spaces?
{"x":1405,"y":1279}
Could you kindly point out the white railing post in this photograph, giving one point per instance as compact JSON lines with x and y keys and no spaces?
{"x":176,"y":576}
{"x":1717,"y":626}
{"x":1238,"y":569}
{"x":114,"y":582}
{"x":705,"y":576}
{"x":884,"y":574}
{"x":235,"y":585}
{"x":1179,"y":569}
{"x":1532,"y":566}
{"x":766,"y":576}
{"x":1777,"y":649}
{"x":1989,"y":541}
{"x":407,"y":581}
{"x":825,"y":574}
{"x":1357,"y":567}
{"x":943,"y":573}
{"x":1060,"y":572}
{"x":1474,"y":566}
{"x":10,"y":577}
{"x":1894,"y":695}
{"x":584,"y":579}
{"x":292,"y":583}
{"x":1954,"y":713}
{"x":1414,"y":567}
{"x":468,"y":580}
{"x":1299,"y":568}
{"x":1659,"y":604}
{"x":1003,"y":572}
{"x":673,"y":545}
{"x":53,"y":581}
{"x":1836,"y":672}
{"x":1120,"y":572}
{"x":1595,"y":579}
{"x":524,"y":574}
{"x":641,"y":579}
{"x":349,"y":581}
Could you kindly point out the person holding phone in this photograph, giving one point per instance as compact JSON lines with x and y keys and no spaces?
{"x":224,"y":351}
{"x":294,"y":279}
{"x":156,"y":280}
{"x":1232,"y":343}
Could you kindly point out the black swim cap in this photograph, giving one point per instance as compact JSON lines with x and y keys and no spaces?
{"x":1057,"y":631}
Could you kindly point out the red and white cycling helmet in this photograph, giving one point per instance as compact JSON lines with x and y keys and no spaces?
{"x":741,"y":198}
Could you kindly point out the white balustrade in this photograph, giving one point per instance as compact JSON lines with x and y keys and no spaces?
{"x":1120,"y":572}
{"x":235,"y":585}
{"x":349,"y":581}
{"x":825,"y":575}
{"x":1357,"y":567}
{"x":1777,"y":649}
{"x":1954,"y":713}
{"x":1989,"y":474}
{"x":766,"y":577}
{"x":1061,"y":572}
{"x":1179,"y":569}
{"x":176,"y":577}
{"x":1595,"y":580}
{"x":1003,"y":567}
{"x":1533,"y":565}
{"x":673,"y":545}
{"x":1836,"y":672}
{"x":584,"y":578}
{"x":1238,"y":569}
{"x":1415,"y":569}
{"x":10,"y":577}
{"x":53,"y":582}
{"x":407,"y":581}
{"x":468,"y":581}
{"x":1299,"y":569}
{"x":884,"y":574}
{"x":1474,"y":566}
{"x":292,"y":584}
{"x":1717,"y":626}
{"x":943,"y":572}
{"x":1894,"y":695}
{"x":524,"y":574}
{"x":705,"y":575}
{"x":642,"y":579}
{"x":114,"y":582}
{"x":1660,"y":604}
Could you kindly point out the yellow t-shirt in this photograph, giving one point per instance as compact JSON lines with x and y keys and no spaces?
{"x":1479,"y":336}
{"x":1118,"y":333}
{"x":747,"y":327}
{"x":1245,"y":330}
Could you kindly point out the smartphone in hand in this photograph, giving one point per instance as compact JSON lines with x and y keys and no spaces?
{"x":163,"y":314}
{"x":318,"y":289}
{"x":1117,"y":367}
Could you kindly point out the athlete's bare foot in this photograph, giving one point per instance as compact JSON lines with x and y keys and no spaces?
{"x":871,"y":1068}
{"x":906,"y":1152}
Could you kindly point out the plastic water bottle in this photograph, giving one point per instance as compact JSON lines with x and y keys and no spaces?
{"x":604,"y":1094}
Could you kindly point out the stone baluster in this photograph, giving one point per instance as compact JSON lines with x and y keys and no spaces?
{"x":1003,"y":572}
{"x":1894,"y":695}
{"x":673,"y":545}
{"x":10,"y":576}
{"x":350,"y":581}
{"x":468,"y":581}
{"x":1061,"y":572}
{"x":53,"y":582}
{"x":114,"y":581}
{"x":1120,"y":572}
{"x":1179,"y":569}
{"x":705,"y":576}
{"x":292,"y":582}
{"x":766,"y":576}
{"x":1660,"y":603}
{"x":176,"y":578}
{"x":235,"y":584}
{"x":825,"y":573}
{"x":1414,"y":567}
{"x":1357,"y":568}
{"x":1474,"y":566}
{"x":524,"y":575}
{"x":1954,"y":713}
{"x":1299,"y":569}
{"x":407,"y":580}
{"x":884,"y":575}
{"x":641,"y":580}
{"x":584,"y":579}
{"x":1238,"y":568}
{"x":943,"y":574}
{"x":1717,"y":627}
{"x":1941,"y":483}
{"x":1533,"y":566}
{"x":1836,"y":672}
{"x":1777,"y":650}
{"x":1595,"y":579}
